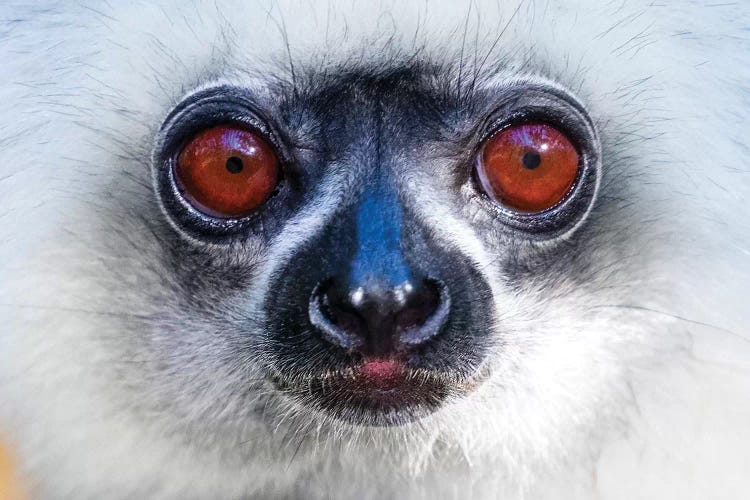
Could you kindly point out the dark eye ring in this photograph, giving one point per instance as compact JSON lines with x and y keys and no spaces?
{"x":538,"y":166}
{"x":221,"y":169}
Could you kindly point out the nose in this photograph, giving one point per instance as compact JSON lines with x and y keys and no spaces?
{"x":376,"y":319}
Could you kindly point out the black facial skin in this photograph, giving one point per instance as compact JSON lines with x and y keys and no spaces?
{"x":338,"y":258}
{"x":334,"y":304}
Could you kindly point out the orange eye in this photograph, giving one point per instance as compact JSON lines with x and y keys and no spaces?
{"x":227,"y":171}
{"x":529,"y":168}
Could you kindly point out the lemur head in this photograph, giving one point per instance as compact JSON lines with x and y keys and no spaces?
{"x":394,"y":217}
{"x":258,"y":241}
{"x":405,"y":242}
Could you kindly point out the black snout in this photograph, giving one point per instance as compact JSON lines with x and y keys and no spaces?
{"x":373,"y":311}
{"x":373,"y":319}
{"x":377,"y":319}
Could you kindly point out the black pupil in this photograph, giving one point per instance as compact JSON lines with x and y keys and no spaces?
{"x":531,"y":160}
{"x":234,"y":165}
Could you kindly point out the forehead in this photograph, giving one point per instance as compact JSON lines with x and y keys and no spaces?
{"x":395,"y":102}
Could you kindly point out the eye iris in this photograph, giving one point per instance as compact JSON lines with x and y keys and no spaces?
{"x":529,"y":168}
{"x":227,"y":171}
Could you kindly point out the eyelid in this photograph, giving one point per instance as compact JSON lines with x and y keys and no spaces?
{"x":200,"y":111}
{"x":217,"y":105}
{"x":520,"y":104}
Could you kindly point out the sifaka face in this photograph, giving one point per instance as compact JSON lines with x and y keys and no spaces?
{"x":370,"y":315}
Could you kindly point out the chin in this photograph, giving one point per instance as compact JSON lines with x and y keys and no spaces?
{"x":379,"y":392}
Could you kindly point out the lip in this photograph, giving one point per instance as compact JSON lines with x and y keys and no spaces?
{"x":378,"y":392}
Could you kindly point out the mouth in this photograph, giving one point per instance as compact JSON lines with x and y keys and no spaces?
{"x":378,"y":392}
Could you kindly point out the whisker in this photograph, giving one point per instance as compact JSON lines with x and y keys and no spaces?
{"x":77,"y":310}
{"x":671,"y":315}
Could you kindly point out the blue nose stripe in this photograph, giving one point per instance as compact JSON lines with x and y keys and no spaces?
{"x":378,"y":256}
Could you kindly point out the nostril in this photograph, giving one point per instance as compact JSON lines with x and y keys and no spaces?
{"x":419,"y":305}
{"x":338,"y":325}
{"x":426,"y":315}
{"x":345,"y":318}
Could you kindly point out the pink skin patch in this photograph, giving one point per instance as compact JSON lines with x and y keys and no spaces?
{"x":382,"y":374}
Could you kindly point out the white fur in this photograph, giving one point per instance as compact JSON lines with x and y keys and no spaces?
{"x":585,"y":401}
